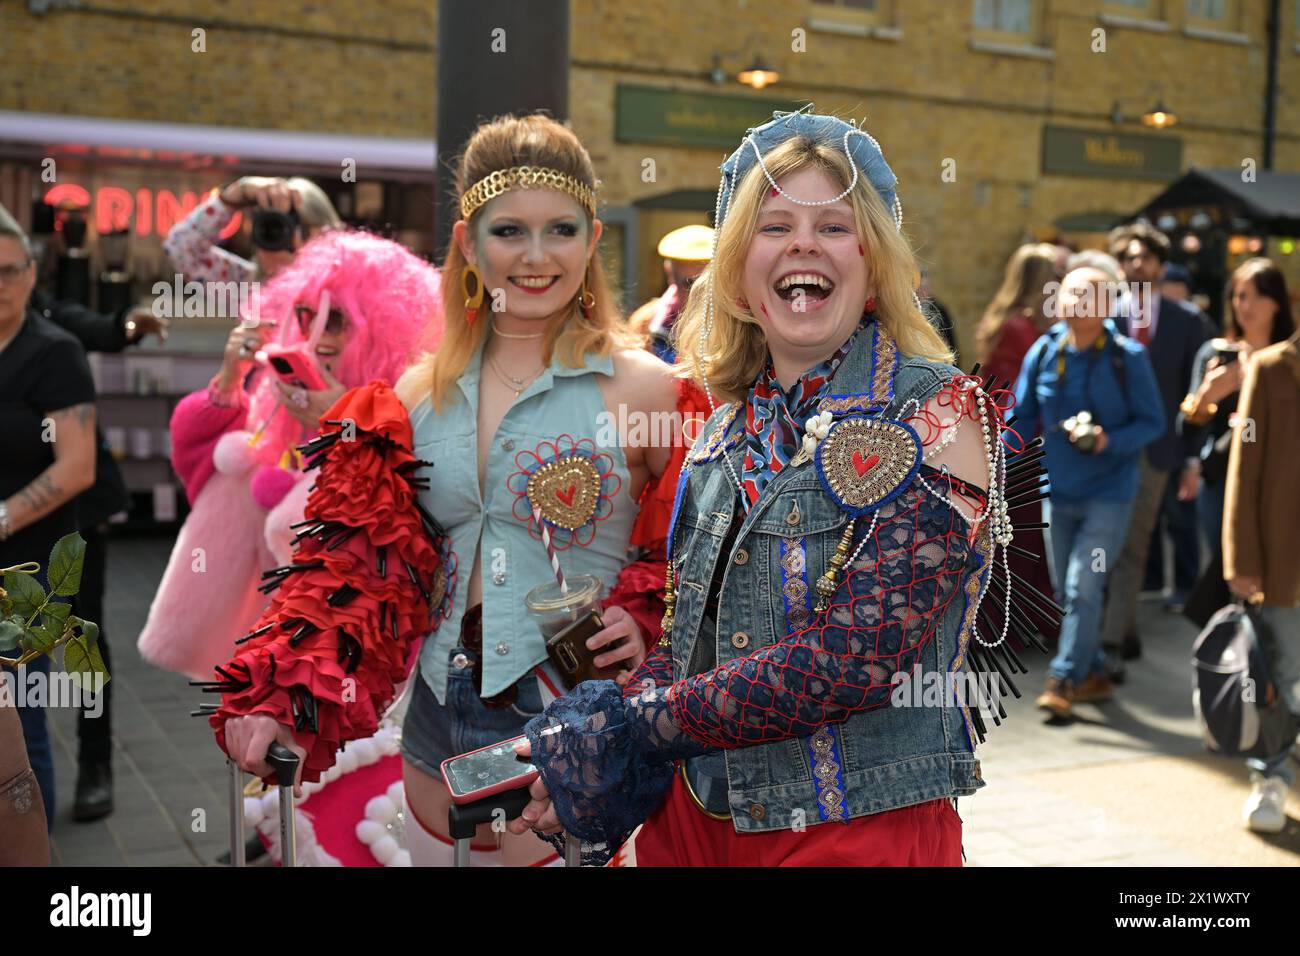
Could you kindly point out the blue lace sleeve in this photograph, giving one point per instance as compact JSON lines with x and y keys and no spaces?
{"x":606,"y":759}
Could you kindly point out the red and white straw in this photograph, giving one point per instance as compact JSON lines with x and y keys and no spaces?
{"x":550,"y":550}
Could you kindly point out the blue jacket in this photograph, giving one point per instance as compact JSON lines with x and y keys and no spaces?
{"x":1117,"y":385}
{"x":881,"y":758}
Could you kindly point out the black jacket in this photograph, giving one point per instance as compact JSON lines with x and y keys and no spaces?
{"x":1181,"y":330}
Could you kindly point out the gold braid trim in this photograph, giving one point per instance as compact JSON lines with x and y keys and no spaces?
{"x":502,"y":181}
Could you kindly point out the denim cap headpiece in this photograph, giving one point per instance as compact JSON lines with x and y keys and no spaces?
{"x":860,"y":146}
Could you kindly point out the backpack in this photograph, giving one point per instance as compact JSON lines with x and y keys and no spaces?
{"x":1113,"y":351}
{"x":1235,"y":700}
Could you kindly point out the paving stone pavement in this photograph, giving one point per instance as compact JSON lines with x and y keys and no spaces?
{"x":1127,"y":784}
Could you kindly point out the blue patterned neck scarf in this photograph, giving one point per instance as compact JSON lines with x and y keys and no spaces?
{"x":774,"y":418}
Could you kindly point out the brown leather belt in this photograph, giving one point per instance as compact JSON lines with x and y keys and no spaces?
{"x":471,"y":638}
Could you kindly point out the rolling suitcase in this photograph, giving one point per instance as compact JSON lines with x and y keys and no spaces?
{"x":285,"y":763}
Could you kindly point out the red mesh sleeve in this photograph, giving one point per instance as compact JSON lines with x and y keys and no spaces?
{"x":655,"y":671}
{"x":879,"y":621}
{"x":325,"y":655}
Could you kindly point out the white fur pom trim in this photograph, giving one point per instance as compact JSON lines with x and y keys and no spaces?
{"x":347,"y":761}
{"x":381,"y":808}
{"x":367,"y":752}
{"x":385,"y":850}
{"x":253,"y":812}
{"x":370,"y":832}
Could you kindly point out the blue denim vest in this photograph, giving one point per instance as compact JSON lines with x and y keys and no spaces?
{"x":562,"y":405}
{"x":877,"y":760}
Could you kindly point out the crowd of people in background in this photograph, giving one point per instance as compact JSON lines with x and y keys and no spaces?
{"x":1156,"y":422}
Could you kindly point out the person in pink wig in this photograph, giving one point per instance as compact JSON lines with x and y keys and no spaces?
{"x":233,"y":443}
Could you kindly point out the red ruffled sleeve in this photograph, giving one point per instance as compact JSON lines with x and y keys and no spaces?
{"x":640,"y":586}
{"x":326,"y":654}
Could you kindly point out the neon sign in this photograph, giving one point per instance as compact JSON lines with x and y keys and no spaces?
{"x":117,"y":209}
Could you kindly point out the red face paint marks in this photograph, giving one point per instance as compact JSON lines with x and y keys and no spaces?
{"x":860,"y":252}
{"x":764,"y":310}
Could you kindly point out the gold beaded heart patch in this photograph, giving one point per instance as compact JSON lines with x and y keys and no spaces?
{"x":865,"y":462}
{"x":566,"y":491}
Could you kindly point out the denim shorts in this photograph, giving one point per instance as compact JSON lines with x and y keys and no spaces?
{"x":432,"y":732}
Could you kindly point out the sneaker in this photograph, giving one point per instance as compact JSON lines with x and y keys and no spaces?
{"x":1056,"y":698}
{"x":1131,"y":648}
{"x":1263,"y":811}
{"x":1095,"y":688}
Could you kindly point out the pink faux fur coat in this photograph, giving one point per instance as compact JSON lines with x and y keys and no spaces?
{"x":208,"y":596}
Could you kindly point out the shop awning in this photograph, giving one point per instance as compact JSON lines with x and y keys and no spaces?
{"x":193,"y":145}
{"x":1271,"y":203}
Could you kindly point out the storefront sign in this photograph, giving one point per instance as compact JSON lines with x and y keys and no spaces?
{"x":1090,"y":152}
{"x":143,"y":210}
{"x":650,"y":114}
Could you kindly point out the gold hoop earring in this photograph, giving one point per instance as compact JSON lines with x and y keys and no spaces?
{"x":472,"y":299}
{"x":585,"y":297}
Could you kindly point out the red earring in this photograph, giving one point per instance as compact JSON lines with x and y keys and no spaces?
{"x":473,"y":299}
{"x":870,"y":306}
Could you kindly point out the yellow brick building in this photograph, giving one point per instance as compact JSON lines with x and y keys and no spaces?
{"x":982,"y":106}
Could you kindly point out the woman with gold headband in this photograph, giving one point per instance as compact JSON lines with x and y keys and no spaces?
{"x":838,"y":593}
{"x":508,"y":427}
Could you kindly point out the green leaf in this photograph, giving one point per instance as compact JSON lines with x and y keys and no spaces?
{"x":11,"y":633}
{"x":90,"y":631}
{"x":82,"y":665}
{"x":55,"y":618}
{"x":97,"y":662}
{"x":39,"y":639}
{"x":66,"y":561}
{"x":25,"y":592}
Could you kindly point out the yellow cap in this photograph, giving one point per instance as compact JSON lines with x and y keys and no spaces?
{"x":688,"y":244}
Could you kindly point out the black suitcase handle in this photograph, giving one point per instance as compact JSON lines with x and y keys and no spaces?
{"x":284,"y":762}
{"x":463,"y":818}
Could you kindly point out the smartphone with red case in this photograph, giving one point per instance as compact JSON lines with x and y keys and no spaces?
{"x":487,"y":771}
{"x":294,"y":366}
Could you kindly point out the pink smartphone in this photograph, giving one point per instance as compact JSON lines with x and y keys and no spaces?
{"x":294,"y":365}
{"x":487,"y":771}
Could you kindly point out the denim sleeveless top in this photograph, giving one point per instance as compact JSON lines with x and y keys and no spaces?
{"x":891,"y":757}
{"x":562,"y":413}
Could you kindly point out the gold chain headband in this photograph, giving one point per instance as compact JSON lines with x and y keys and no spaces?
{"x":525,"y":177}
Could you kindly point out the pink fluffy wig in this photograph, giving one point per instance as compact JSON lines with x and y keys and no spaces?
{"x":394,"y":307}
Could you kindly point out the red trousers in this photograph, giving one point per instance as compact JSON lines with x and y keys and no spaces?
{"x":679,"y":834}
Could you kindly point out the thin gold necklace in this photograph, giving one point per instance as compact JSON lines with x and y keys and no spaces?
{"x":516,"y":384}
{"x":517,"y":335}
